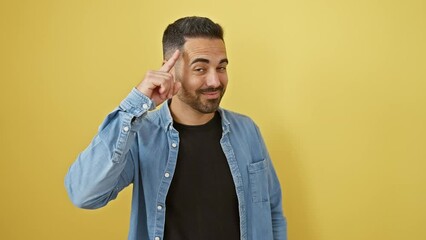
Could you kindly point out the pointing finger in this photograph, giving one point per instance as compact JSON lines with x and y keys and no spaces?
{"x":167,"y":66}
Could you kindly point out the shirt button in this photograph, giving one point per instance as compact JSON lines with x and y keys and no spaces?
{"x":159,"y":207}
{"x":126,"y":129}
{"x":157,"y":238}
{"x":145,"y":106}
{"x":167,"y":174}
{"x":174,"y":145}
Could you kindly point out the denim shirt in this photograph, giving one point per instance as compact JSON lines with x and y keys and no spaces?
{"x":139,"y":146}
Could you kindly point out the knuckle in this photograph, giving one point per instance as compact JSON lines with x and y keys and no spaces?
{"x":149,"y":73}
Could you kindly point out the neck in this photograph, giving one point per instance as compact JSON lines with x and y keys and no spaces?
{"x":186,"y":115}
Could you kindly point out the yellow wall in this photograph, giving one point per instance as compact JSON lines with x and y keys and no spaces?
{"x":338,"y":89}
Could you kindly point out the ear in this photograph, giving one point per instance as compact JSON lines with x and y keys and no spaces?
{"x":173,"y":71}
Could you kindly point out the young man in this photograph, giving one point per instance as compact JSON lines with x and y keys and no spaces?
{"x":199,"y":172}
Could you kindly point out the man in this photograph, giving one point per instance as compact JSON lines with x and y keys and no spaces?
{"x":199,"y":172}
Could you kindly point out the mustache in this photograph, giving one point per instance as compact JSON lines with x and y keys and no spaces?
{"x":208,"y":90}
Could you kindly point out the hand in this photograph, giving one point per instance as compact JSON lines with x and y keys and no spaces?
{"x":160,"y":85}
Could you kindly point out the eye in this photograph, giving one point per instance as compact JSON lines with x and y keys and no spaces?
{"x":221,"y":69}
{"x":199,"y":70}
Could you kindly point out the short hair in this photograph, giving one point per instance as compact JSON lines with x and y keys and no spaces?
{"x":175,"y":35}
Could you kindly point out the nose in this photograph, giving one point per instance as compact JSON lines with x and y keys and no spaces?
{"x":213,"y":79}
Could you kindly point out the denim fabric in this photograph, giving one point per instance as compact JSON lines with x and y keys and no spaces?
{"x":139,"y":146}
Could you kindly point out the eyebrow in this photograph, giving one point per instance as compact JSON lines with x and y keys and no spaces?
{"x":225,"y":60}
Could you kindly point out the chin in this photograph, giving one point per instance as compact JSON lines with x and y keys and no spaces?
{"x":210,"y":107}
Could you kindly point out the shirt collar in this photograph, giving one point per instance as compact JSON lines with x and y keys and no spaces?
{"x":167,"y":119}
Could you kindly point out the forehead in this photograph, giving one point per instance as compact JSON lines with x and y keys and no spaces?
{"x":211,"y":49}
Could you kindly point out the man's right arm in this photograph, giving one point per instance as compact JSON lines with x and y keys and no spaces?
{"x":106,"y":166}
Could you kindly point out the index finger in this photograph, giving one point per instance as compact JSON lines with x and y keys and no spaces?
{"x":167,"y":66}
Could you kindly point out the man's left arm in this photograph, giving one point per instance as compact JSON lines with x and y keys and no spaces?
{"x":279,"y":222}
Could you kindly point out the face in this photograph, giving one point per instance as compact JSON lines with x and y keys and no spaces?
{"x":202,"y":73}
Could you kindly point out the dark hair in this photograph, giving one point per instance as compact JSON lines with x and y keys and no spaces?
{"x":189,"y":27}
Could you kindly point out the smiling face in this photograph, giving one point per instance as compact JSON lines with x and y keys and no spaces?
{"x":202,"y":73}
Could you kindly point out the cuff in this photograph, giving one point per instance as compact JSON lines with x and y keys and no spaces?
{"x":137,"y":103}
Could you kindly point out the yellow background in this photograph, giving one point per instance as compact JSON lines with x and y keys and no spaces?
{"x":338,"y":89}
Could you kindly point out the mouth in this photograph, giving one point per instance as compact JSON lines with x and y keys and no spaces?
{"x":212,"y":93}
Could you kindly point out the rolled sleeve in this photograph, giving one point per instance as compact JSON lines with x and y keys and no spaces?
{"x":136,"y":103}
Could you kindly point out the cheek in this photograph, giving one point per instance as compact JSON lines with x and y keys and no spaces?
{"x":196,"y":81}
{"x":224,"y":79}
{"x":192,"y":83}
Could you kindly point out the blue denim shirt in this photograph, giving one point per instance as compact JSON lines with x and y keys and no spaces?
{"x":139,"y":146}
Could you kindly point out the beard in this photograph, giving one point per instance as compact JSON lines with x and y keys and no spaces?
{"x":196,"y":102}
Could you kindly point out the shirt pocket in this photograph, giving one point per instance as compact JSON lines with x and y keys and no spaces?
{"x":258,"y":177}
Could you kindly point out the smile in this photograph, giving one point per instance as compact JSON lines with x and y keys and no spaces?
{"x":212,"y":94}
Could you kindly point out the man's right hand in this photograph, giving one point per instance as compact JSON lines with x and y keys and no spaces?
{"x":160,"y":85}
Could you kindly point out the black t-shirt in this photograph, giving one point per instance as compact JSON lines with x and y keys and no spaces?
{"x":202,"y":203}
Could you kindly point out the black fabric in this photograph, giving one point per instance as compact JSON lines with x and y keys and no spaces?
{"x":202,"y":203}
